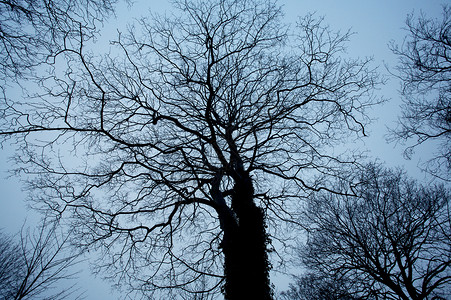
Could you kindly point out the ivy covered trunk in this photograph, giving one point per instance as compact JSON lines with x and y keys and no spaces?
{"x":246,"y":264}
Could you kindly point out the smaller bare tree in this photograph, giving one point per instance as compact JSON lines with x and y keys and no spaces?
{"x":36,"y":266}
{"x":392,"y":238}
{"x":425,"y":71}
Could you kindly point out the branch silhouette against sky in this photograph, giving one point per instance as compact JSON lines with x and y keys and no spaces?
{"x":181,"y":147}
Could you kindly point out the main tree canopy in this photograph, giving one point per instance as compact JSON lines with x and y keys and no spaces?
{"x":144,"y":150}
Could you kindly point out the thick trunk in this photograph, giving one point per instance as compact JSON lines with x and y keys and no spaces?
{"x":245,"y":246}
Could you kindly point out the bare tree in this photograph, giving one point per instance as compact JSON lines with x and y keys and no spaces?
{"x":38,"y":266}
{"x":425,"y":70}
{"x":392,"y":239}
{"x":180,"y":156}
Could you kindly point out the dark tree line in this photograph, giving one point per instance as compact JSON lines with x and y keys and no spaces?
{"x":179,"y":156}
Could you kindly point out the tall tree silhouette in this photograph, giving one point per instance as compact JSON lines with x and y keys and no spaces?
{"x":182,"y":152}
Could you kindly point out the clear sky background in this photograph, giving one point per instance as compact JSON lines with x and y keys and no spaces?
{"x":375,"y":24}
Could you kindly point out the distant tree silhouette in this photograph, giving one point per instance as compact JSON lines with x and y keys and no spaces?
{"x":181,"y":154}
{"x":37,"y":265}
{"x":425,"y":70}
{"x":391,"y":241}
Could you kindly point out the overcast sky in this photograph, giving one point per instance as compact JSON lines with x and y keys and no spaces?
{"x":375,"y":23}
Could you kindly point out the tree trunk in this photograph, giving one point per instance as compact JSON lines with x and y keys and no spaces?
{"x":244,"y":246}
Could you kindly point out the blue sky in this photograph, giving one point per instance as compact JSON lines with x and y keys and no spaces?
{"x":375,"y":23}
